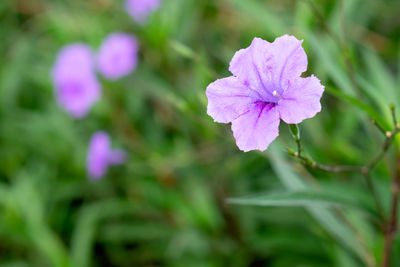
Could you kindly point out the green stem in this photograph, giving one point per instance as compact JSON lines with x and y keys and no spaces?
{"x":391,"y":226}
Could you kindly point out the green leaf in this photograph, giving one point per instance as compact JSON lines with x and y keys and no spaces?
{"x":183,"y":49}
{"x":364,"y":107}
{"x":270,"y":20}
{"x":129,"y":232}
{"x":31,"y":208}
{"x":328,"y":53}
{"x":87,"y":224}
{"x":303,"y":198}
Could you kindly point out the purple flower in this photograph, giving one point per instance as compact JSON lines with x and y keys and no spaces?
{"x":117,"y":56}
{"x":141,"y":9}
{"x":265,"y":87}
{"x":100,"y":155}
{"x":75,"y":82}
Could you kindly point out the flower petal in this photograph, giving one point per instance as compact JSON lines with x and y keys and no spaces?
{"x":301,"y":100}
{"x":117,"y":156}
{"x":290,"y":61}
{"x":140,"y":10}
{"x":98,"y":154}
{"x":117,"y":55}
{"x":228,"y":98}
{"x":257,"y":128}
{"x":252,"y":66}
{"x":77,"y":94}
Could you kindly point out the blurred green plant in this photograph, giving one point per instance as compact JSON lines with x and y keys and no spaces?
{"x":167,"y":206}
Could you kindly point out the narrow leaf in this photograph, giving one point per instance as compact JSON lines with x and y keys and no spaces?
{"x":302,"y":198}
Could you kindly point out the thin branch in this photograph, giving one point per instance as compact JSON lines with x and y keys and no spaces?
{"x":393,"y":111}
{"x":321,"y":19}
{"x":329,"y":168}
{"x":364,"y":170}
{"x":370,"y":260}
{"x":391,"y":227}
{"x":388,"y":141}
{"x":380,"y":128}
{"x":371,"y":188}
{"x":346,"y":51}
{"x":389,"y":137}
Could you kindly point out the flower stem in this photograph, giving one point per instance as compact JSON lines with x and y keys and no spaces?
{"x":295,"y":131}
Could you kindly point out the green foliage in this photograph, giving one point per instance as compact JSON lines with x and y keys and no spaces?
{"x":167,"y":205}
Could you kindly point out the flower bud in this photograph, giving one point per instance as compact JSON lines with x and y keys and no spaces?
{"x":294,"y":130}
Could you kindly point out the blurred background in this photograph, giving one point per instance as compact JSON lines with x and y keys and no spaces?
{"x":166,"y":206}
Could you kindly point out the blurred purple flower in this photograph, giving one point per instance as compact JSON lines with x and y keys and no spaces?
{"x":117,"y":56}
{"x":141,"y":9}
{"x":265,"y":87}
{"x":75,"y":82}
{"x":100,"y":155}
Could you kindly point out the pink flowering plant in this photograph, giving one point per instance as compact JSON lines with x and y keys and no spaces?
{"x":200,"y":133}
{"x":100,"y":155}
{"x":76,"y":86}
{"x":266,"y":87}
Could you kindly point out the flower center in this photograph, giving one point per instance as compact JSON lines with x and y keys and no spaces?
{"x":275,"y":94}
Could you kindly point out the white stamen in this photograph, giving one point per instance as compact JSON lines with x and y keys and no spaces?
{"x":275,"y":93}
